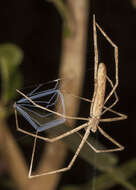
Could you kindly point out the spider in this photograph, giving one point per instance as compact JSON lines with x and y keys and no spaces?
{"x":97,"y":109}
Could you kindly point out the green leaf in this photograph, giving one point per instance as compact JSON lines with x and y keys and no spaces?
{"x":10,"y":58}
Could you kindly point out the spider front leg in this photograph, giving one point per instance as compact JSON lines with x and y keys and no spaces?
{"x":95,"y":50}
{"x":96,"y":62}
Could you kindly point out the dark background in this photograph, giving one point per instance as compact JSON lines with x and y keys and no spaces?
{"x":36,"y":26}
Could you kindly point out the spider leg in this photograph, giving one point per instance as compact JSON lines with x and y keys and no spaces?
{"x":115,"y":94}
{"x":62,"y":169}
{"x":120,"y":147}
{"x":95,"y":61}
{"x":50,"y":111}
{"x":49,"y":139}
{"x":116,"y":61}
{"x":120,"y":116}
{"x":89,"y":144}
{"x":95,"y":49}
{"x":100,"y":151}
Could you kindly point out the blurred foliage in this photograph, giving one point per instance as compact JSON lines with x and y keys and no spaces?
{"x":100,"y":182}
{"x":10,"y":58}
{"x":133,"y":3}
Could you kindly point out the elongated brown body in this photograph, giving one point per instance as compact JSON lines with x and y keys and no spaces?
{"x":98,"y":97}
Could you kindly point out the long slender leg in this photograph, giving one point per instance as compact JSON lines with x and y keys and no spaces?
{"x":120,"y":117}
{"x":120,"y":147}
{"x":50,"y":111}
{"x":89,"y":144}
{"x":116,"y":96}
{"x":49,"y":139}
{"x":62,"y":169}
{"x":116,"y":61}
{"x":33,"y":153}
{"x":95,"y":61}
{"x":95,"y":49}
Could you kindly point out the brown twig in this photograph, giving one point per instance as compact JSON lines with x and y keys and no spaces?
{"x":16,"y":164}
